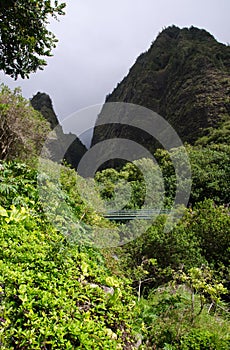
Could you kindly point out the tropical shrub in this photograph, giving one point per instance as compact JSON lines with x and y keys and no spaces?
{"x":165,"y":322}
{"x":55,"y":294}
{"x":210,"y":173}
{"x":23,"y":130}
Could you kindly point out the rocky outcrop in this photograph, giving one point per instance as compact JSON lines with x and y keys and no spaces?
{"x":60,"y":145}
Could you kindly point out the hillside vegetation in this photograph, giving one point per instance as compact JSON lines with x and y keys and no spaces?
{"x":166,"y":290}
{"x":23,"y":130}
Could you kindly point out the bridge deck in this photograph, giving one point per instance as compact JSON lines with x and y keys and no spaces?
{"x":144,"y":214}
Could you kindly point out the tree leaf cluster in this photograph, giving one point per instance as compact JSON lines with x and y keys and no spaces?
{"x":24,"y":37}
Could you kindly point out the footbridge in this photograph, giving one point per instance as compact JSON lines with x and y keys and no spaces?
{"x":128,"y":214}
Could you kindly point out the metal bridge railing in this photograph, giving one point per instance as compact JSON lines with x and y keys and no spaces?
{"x":126,"y":214}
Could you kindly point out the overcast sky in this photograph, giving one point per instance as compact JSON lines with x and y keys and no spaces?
{"x":99,"y":40}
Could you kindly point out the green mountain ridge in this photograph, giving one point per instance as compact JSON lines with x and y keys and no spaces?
{"x":184,"y":77}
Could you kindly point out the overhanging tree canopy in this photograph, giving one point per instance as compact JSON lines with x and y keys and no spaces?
{"x":24,"y":37}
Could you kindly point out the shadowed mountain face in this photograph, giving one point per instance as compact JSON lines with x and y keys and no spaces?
{"x":60,"y":145}
{"x":42,"y":103}
{"x":184,"y":77}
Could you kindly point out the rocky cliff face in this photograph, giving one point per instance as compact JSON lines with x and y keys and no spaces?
{"x":42,"y":103}
{"x":184,"y":77}
{"x":67,"y":145}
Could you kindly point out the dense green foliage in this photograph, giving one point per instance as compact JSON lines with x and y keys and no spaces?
{"x":220,"y":135}
{"x":201,"y":237}
{"x":172,"y":321}
{"x":54,"y":294}
{"x":24,"y":37}
{"x":136,"y":184}
{"x":210,"y":172}
{"x":23,"y":130}
{"x":210,"y":177}
{"x":181,"y":277}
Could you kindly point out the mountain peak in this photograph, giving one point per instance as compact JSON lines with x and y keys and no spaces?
{"x":43,"y":103}
{"x":184,"y":77}
{"x":64,"y":145}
